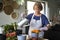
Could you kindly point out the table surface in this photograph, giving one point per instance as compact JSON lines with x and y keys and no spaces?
{"x":27,"y":38}
{"x":39,"y":39}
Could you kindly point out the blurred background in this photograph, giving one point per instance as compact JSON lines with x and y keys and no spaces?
{"x":16,"y":10}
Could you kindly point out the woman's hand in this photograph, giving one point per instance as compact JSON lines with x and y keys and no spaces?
{"x":44,"y":28}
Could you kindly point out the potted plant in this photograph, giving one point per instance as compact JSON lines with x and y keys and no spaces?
{"x":10,"y":31}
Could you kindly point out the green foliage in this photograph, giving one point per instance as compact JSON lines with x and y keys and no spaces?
{"x":12,"y":38}
{"x":10,"y":28}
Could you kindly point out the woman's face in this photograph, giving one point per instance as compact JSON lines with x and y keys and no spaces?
{"x":36,"y":9}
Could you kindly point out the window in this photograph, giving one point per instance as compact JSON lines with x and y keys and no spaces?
{"x":30,"y":5}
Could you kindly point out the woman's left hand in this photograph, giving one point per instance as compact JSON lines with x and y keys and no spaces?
{"x":43,"y":28}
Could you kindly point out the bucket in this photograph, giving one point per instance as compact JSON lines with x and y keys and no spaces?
{"x":21,"y":37}
{"x":34,"y":35}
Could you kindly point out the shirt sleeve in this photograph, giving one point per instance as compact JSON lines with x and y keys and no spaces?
{"x":46,"y":20}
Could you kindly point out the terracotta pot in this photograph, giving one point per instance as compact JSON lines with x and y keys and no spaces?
{"x":11,"y":34}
